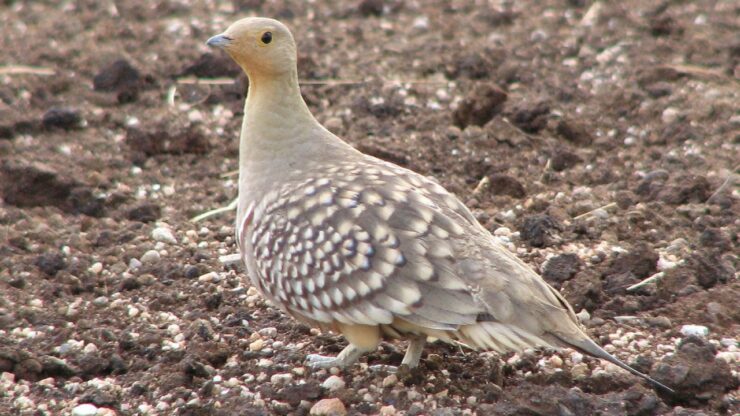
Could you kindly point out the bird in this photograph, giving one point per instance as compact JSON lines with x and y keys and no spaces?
{"x":359,"y":246}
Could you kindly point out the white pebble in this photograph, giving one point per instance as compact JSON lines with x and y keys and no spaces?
{"x":502,"y":231}
{"x":208,"y":277}
{"x":96,"y":268}
{"x":390,"y":381}
{"x":269,"y":332}
{"x":90,"y":348}
{"x":134,"y":263}
{"x":86,"y":409}
{"x":670,"y":115}
{"x":729,"y":356}
{"x":281,"y":378}
{"x":727,"y":342}
{"x":173,"y":329}
{"x":333,"y":383}
{"x":698,"y":330}
{"x":164,"y":235}
{"x":133,"y":311}
{"x":151,"y":256}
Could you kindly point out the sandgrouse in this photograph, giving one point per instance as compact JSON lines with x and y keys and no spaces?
{"x":353,"y":244}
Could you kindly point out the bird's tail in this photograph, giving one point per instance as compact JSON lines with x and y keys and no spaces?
{"x":591,"y":348}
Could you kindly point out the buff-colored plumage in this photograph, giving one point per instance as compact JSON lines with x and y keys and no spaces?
{"x":351,"y":243}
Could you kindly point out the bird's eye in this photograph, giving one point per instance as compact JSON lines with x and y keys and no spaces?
{"x":266,"y":37}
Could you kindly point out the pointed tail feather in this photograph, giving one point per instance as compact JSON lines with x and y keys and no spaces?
{"x":591,"y":348}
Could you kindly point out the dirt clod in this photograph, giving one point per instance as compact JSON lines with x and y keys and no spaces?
{"x":62,"y":118}
{"x":116,"y":76}
{"x":561,"y":268}
{"x":531,"y":117}
{"x":538,"y":230}
{"x":574,"y":132}
{"x":145,"y":212}
{"x":167,"y":140}
{"x":50,"y":263}
{"x":480,"y":107}
{"x":211,"y":65}
{"x":502,"y":184}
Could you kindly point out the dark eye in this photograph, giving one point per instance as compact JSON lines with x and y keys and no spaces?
{"x":266,"y":37}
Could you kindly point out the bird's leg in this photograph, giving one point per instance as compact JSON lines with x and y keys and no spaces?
{"x":411,"y":358}
{"x":413,"y":352}
{"x":349,"y":355}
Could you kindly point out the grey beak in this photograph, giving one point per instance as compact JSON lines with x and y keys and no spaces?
{"x":219,"y":41}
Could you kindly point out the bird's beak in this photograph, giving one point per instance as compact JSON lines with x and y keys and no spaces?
{"x":219,"y":41}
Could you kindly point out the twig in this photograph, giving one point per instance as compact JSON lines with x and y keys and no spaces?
{"x":229,"y":174}
{"x":217,"y":211}
{"x":546,"y":169}
{"x":651,"y":279}
{"x":585,"y":214}
{"x":229,"y":81}
{"x":482,"y":185}
{"x":696,"y":70}
{"x":26,"y":70}
{"x":205,"y":81}
{"x":725,"y":184}
{"x":171,"y":95}
{"x":330,"y":82}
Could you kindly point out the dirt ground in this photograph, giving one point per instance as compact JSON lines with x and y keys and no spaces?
{"x":598,"y":140}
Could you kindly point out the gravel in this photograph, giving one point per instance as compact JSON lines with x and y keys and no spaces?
{"x":606,"y":166}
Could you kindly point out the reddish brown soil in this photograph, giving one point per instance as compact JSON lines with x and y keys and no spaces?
{"x":564,"y":106}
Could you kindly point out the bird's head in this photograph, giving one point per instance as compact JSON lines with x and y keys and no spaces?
{"x":261,"y":46}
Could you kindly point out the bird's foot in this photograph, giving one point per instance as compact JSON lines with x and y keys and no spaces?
{"x":390,"y":369}
{"x":347,"y":357}
{"x":323,"y":361}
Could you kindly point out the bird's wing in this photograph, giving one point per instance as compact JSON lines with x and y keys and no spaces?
{"x":370,"y":242}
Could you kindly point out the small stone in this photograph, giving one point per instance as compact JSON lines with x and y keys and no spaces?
{"x":333,"y":383}
{"x":208,"y":277}
{"x":334,"y":124}
{"x":696,"y":330}
{"x":133,"y":311}
{"x":100,"y":301}
{"x":660,"y":322}
{"x":579,"y":370}
{"x":96,"y":268}
{"x":555,"y":361}
{"x":389,"y":410}
{"x":390,"y":381}
{"x":164,"y":235}
{"x":328,"y":407}
{"x":281,"y":378}
{"x":90,"y":348}
{"x":86,"y":409}
{"x":150,"y":257}
{"x":257,"y":345}
{"x":670,"y":115}
{"x":134,"y":263}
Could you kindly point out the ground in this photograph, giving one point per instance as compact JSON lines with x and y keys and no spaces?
{"x":598,"y":140}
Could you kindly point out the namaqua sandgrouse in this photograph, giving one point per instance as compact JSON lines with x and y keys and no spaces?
{"x":350,"y":243}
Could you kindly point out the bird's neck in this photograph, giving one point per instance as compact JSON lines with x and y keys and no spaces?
{"x":274,"y":111}
{"x":278,"y":134}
